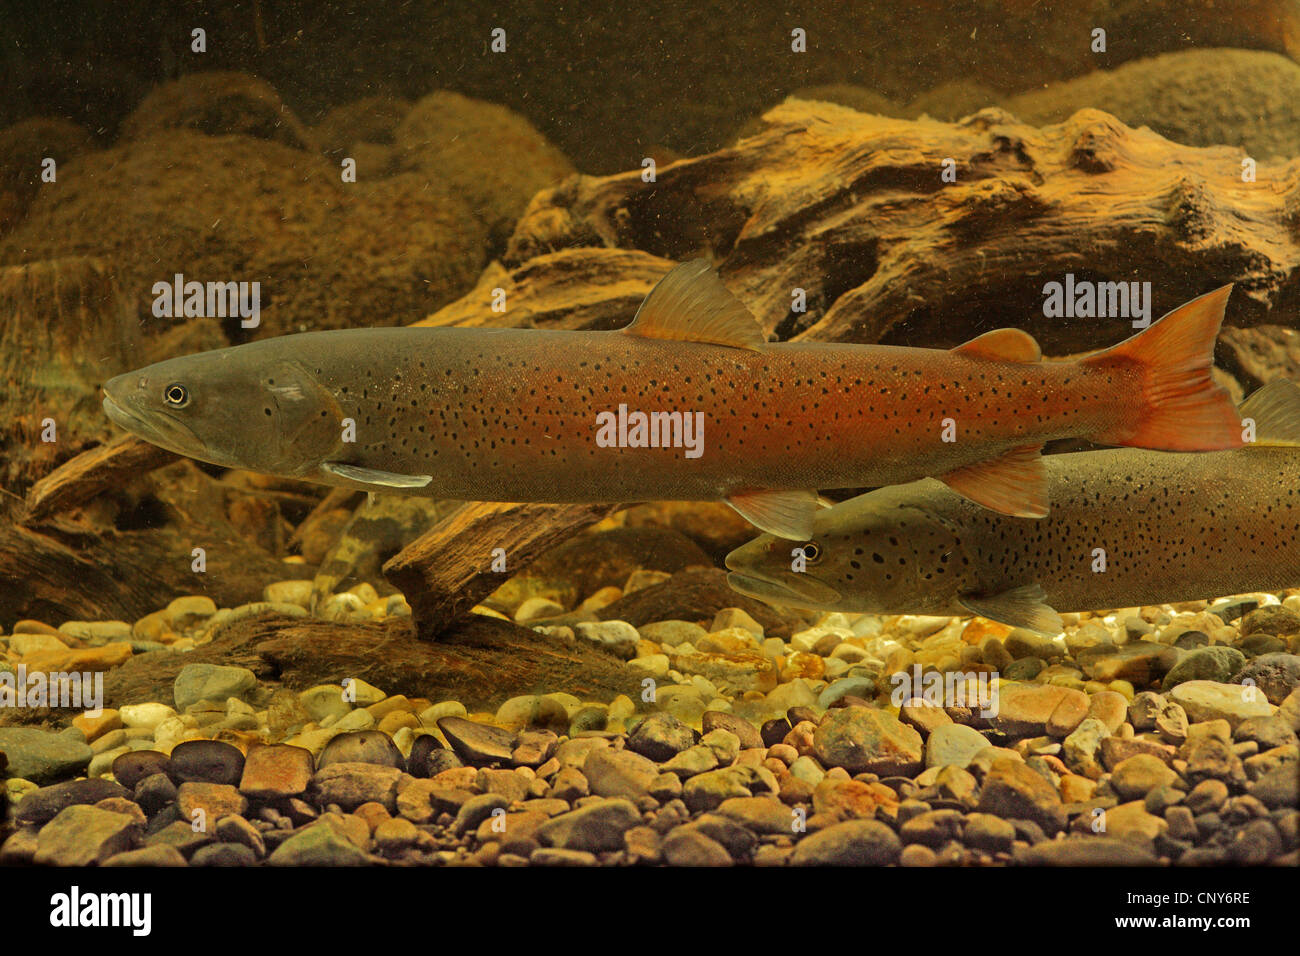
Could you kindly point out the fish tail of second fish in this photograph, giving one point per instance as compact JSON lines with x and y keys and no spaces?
{"x":1179,"y":407}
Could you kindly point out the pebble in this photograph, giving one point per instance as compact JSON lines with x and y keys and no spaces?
{"x":318,"y":845}
{"x":43,"y":757}
{"x":953,"y":745}
{"x":83,"y":835}
{"x":207,"y":761}
{"x":1276,"y":675}
{"x":595,"y":828}
{"x":477,"y":743}
{"x":661,"y":736}
{"x":40,"y":806}
{"x":1208,"y":700}
{"x":1012,"y":790}
{"x":1138,"y":775}
{"x":199,"y":682}
{"x":276,"y":772}
{"x":852,"y":843}
{"x":361,"y":746}
{"x":865,"y":740}
{"x":1217,"y":663}
{"x":352,"y":784}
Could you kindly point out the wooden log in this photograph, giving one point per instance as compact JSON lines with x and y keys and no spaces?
{"x":852,"y":208}
{"x":479,"y":661}
{"x":92,"y":472}
{"x":448,"y":570}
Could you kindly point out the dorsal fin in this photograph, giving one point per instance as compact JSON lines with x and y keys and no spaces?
{"x":691,"y":304}
{"x":1275,"y":410}
{"x":1005,"y":345}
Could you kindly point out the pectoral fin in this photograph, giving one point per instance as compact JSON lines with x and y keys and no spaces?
{"x":1014,"y":483}
{"x":375,"y":479}
{"x":1024,"y":606}
{"x":786,"y":514}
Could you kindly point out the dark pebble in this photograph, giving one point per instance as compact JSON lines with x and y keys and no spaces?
{"x":429,"y":757}
{"x":132,"y":767}
{"x":155,"y":792}
{"x":739,"y":841}
{"x":749,"y":735}
{"x":660,"y":737}
{"x":797,"y":715}
{"x":1190,"y":640}
{"x":43,"y":805}
{"x":1258,"y":644}
{"x":224,"y":854}
{"x":206,"y":761}
{"x":365,"y":746}
{"x":477,"y":744}
{"x":774,"y":731}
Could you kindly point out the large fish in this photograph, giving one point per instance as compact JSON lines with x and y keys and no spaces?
{"x":555,"y":416}
{"x":1127,"y":528}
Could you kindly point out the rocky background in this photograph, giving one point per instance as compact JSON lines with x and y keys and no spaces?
{"x":523,"y":734}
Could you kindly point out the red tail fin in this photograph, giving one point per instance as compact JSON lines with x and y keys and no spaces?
{"x":1178,"y":407}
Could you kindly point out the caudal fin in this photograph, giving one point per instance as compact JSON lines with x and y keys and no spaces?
{"x":1178,"y":406}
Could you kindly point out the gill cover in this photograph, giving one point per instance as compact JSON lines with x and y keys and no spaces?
{"x":308,"y":420}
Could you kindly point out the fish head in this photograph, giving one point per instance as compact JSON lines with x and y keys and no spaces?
{"x":239,"y":407}
{"x":885,"y":552}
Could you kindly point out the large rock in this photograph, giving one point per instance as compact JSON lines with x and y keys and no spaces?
{"x":852,"y":843}
{"x":214,"y":682}
{"x":866,"y":740}
{"x":595,"y":827}
{"x":1014,"y":791}
{"x":1208,"y":700}
{"x":1024,"y":710}
{"x":83,"y":835}
{"x":43,"y":757}
{"x":1277,"y":675}
{"x":1217,"y":663}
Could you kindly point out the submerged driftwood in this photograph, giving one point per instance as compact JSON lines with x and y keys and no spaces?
{"x":449,"y":569}
{"x":479,"y":661}
{"x":854,"y":210}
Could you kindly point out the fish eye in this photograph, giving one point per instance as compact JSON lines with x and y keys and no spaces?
{"x":811,"y":552}
{"x":176,"y":395}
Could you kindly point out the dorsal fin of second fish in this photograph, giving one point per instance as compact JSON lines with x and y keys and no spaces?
{"x":690,"y":304}
{"x":1275,"y":410}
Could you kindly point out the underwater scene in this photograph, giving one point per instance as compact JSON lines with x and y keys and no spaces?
{"x":632,"y":436}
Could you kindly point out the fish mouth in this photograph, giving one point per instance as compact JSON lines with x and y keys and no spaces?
{"x":165,"y":433}
{"x":809,"y":593}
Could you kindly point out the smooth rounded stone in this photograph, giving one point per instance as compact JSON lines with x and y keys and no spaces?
{"x":1022,"y":643}
{"x":1279,"y":789}
{"x":922,"y":715}
{"x":661,"y":736}
{"x":1217,"y":663}
{"x":796,"y":693}
{"x":223,"y":854}
{"x":537,"y":608}
{"x":836,"y":690}
{"x":1025,"y":669}
{"x":362,"y":746}
{"x":1110,"y":708}
{"x":276,"y":772}
{"x":984,"y":831}
{"x":155,"y":792}
{"x":199,"y":682}
{"x":619,"y":637}
{"x":1276,"y":675}
{"x":353,"y":720}
{"x":1267,"y":732}
{"x":318,"y":845}
{"x":672,"y":633}
{"x":774,"y":731}
{"x":477,"y":743}
{"x":746,"y":733}
{"x":729,"y":617}
{"x":953,"y":745}
{"x":1208,"y":700}
{"x":1088,"y":636}
{"x":595,"y":828}
{"x":692,"y":761}
{"x":866,"y":740}
{"x":852,"y":843}
{"x":687,"y":846}
{"x":915,"y":855}
{"x":1135,"y":777}
{"x":574,"y":753}
{"x":352,"y":784}
{"x":1140,"y":662}
{"x":1085,"y":851}
{"x":209,"y":801}
{"x":1143,"y":710}
{"x":83,"y":835}
{"x":148,"y":856}
{"x":1115,"y":750}
{"x":235,"y":829}
{"x":44,"y":757}
{"x":1255,"y":844}
{"x":1172,"y":724}
{"x":619,"y":773}
{"x":532,"y":712}
{"x":40,"y":806}
{"x":706,"y":791}
{"x":324,"y":701}
{"x":1024,"y":710}
{"x":96,"y":633}
{"x":26,"y":644}
{"x":765,"y":815}
{"x":207,"y":761}
{"x":1130,"y":821}
{"x":932,"y":828}
{"x":1012,"y":790}
{"x":1191,"y":640}
{"x":1258,"y":645}
{"x":477,"y":809}
{"x":296,"y":591}
{"x":1272,"y":619}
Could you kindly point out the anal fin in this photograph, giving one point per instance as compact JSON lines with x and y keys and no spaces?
{"x":1014,"y":483}
{"x":374,"y":479}
{"x":786,"y":514}
{"x":1025,"y":606}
